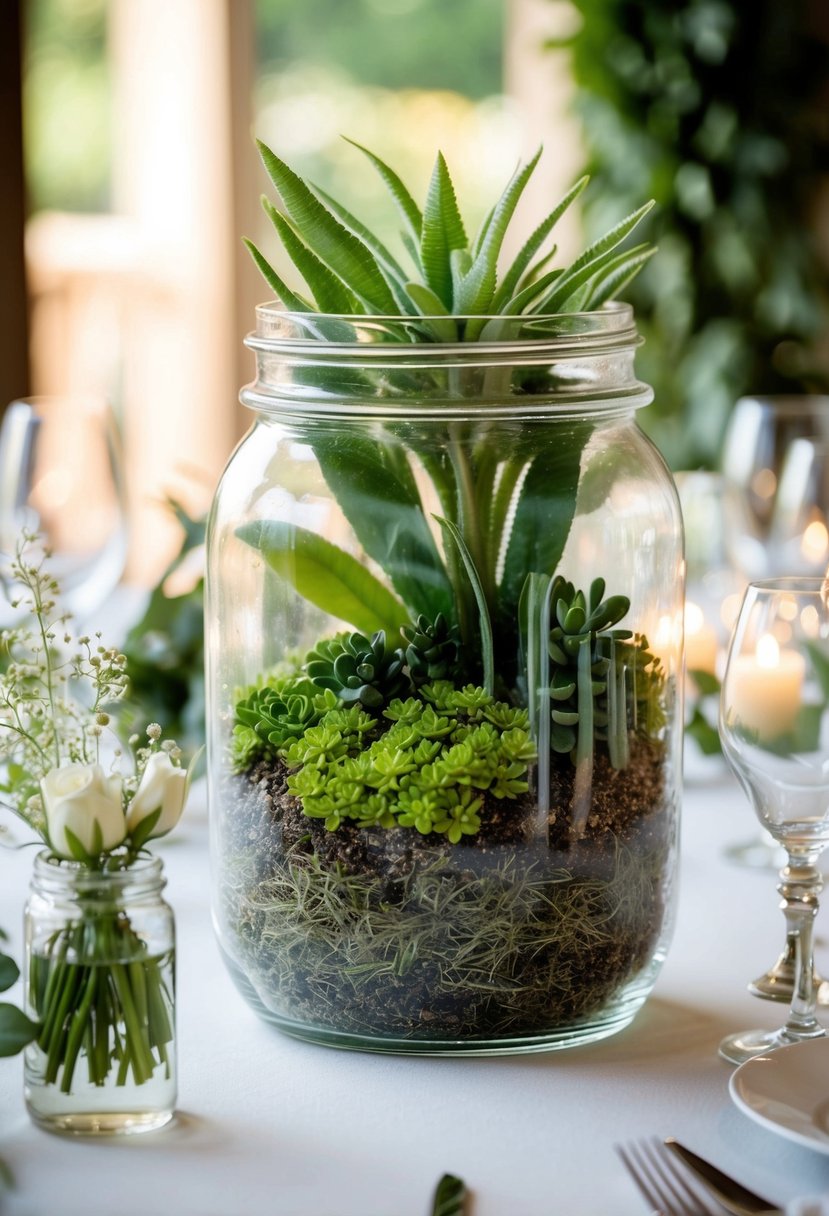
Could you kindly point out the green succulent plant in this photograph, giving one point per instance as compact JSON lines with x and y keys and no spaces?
{"x":427,"y":766}
{"x":433,"y":649}
{"x":358,"y":669}
{"x":604,"y":680}
{"x":271,"y":717}
{"x":454,"y":285}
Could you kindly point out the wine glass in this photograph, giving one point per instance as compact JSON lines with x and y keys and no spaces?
{"x":774,"y":727}
{"x":772,"y":493}
{"x":60,"y":476}
{"x":776,"y":509}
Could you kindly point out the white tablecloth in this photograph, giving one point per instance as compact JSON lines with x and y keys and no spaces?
{"x":276,"y":1127}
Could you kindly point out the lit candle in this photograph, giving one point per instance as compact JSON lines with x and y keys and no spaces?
{"x":700,"y":641}
{"x":764,"y":689}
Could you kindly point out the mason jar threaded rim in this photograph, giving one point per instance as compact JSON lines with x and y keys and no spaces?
{"x":564,"y":364}
{"x":60,"y":877}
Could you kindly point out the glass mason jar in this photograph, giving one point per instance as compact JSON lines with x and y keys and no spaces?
{"x":100,"y":980}
{"x":444,"y":634}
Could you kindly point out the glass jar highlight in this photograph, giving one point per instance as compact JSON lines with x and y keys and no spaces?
{"x":100,"y":980}
{"x":444,"y":619}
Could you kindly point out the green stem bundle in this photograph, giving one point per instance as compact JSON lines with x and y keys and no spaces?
{"x":99,"y":995}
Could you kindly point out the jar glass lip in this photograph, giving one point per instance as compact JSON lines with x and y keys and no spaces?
{"x":407,"y":336}
{"x":60,"y":874}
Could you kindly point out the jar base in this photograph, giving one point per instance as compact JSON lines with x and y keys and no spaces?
{"x":614,"y":1018}
{"x":101,"y":1123}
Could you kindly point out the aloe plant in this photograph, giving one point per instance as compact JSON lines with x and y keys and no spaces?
{"x":456,"y":584}
{"x":454,"y":285}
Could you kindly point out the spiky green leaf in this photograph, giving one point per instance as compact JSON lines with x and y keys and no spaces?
{"x":328,"y":291}
{"x":517,"y":269}
{"x":408,"y":208}
{"x":476,"y":290}
{"x":342,"y":251}
{"x":288,"y":298}
{"x":487,"y":650}
{"x":442,"y":232}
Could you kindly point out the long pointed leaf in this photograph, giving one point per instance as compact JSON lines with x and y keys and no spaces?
{"x":393,"y":272}
{"x":428,"y":305}
{"x":326,"y":575}
{"x":442,"y":232}
{"x":556,"y":299}
{"x":615,"y":280}
{"x":380,"y":499}
{"x":286,"y":297}
{"x":478,"y":286}
{"x":329,"y":292}
{"x":516,"y":271}
{"x":487,"y":650}
{"x":406,"y":205}
{"x":340,"y":249}
{"x":543,"y":514}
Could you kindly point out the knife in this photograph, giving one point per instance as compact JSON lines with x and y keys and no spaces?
{"x":731,"y":1194}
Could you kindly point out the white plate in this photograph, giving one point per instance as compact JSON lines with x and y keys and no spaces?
{"x":788,"y":1092}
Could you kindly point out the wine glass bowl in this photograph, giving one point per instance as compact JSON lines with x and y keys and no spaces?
{"x":766,"y":529}
{"x":774,"y":728}
{"x":60,"y":477}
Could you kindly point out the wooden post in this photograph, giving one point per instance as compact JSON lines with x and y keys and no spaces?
{"x":14,"y":362}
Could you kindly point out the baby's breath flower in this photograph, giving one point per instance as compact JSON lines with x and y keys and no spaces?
{"x":154,"y":732}
{"x":102,"y":719}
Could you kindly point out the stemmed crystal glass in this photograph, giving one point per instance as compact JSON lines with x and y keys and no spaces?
{"x":60,"y":476}
{"x":774,"y":727}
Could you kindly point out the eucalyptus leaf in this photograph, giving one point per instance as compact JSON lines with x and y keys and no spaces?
{"x":450,"y":1197}
{"x":16,"y":1030}
{"x":286,"y":297}
{"x":9,"y":972}
{"x":326,"y":575}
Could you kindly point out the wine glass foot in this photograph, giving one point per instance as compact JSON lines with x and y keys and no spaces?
{"x":747,"y":1044}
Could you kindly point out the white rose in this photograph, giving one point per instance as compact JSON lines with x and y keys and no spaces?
{"x":78,"y":797}
{"x":163,"y":787}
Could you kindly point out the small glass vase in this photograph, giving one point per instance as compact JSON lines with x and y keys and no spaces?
{"x":100,"y":981}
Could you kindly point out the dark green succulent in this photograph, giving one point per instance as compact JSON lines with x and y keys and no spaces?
{"x":358,"y":669}
{"x":433,"y":650}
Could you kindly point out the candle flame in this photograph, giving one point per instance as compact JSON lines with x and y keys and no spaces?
{"x":694,"y":617}
{"x":768,"y":651}
{"x":815,"y":541}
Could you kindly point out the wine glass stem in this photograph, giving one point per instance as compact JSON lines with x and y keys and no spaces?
{"x":800,"y":886}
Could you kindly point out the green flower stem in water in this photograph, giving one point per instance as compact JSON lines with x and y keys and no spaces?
{"x":116,"y":1013}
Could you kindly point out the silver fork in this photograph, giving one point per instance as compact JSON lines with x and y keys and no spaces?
{"x":657,"y":1170}
{"x":667,"y":1192}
